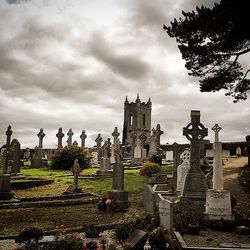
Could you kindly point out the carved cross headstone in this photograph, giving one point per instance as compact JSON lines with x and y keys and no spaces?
{"x":118,"y":171}
{"x":83,"y":136}
{"x":158,"y":132}
{"x":70,"y":135}
{"x":143,"y":139}
{"x":14,"y":155}
{"x":8,"y":134}
{"x":98,"y":141}
{"x":59,"y":135}
{"x":40,"y":136}
{"x":216,"y":128}
{"x":76,"y":170}
{"x":182,"y":170}
{"x":217,"y":164}
{"x":195,"y":186}
{"x":105,"y":149}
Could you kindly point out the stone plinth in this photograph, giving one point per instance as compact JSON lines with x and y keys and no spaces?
{"x":104,"y":166}
{"x":121,"y":198}
{"x":39,"y":163}
{"x":218,"y":205}
{"x":5,"y":193}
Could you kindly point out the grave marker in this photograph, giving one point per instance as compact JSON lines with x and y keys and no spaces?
{"x":40,"y":136}
{"x":195,"y":186}
{"x":83,"y":137}
{"x":59,"y":135}
{"x":70,"y":135}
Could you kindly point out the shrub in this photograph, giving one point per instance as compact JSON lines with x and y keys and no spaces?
{"x":155,"y":159}
{"x":187,"y":212}
{"x":64,"y":242}
{"x":149,"y":168}
{"x":30,"y":238}
{"x":64,"y":158}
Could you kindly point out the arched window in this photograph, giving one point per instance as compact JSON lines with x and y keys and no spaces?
{"x":144,"y":120}
{"x":131,"y":120}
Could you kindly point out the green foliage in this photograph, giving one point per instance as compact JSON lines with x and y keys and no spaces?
{"x":64,"y":158}
{"x":187,"y":212}
{"x":212,"y":41}
{"x":64,"y":242}
{"x":148,"y":168}
{"x":30,"y":238}
{"x":155,"y":159}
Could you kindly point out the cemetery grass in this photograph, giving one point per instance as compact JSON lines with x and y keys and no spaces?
{"x":13,"y":221}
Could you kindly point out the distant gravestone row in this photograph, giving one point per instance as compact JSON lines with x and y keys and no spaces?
{"x":60,"y":136}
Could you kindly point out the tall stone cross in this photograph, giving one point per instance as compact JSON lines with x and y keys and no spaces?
{"x":70,"y":135}
{"x":6,"y":158}
{"x":217,"y":164}
{"x":248,"y":149}
{"x":118,"y":171}
{"x":216,"y":128}
{"x":158,"y":132}
{"x":40,"y":136}
{"x":98,"y":141}
{"x":59,"y":135}
{"x":195,"y":185}
{"x":106,"y":149}
{"x":83,"y":136}
{"x":143,"y":139}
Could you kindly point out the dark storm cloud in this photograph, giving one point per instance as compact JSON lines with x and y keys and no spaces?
{"x":127,"y":65}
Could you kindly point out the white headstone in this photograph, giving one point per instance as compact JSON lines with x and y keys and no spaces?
{"x":138,"y":149}
{"x":169,"y":156}
{"x":182,"y":170}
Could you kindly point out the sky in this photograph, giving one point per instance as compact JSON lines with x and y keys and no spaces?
{"x":71,"y":64}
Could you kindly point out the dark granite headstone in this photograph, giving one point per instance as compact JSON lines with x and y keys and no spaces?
{"x":195,"y":186}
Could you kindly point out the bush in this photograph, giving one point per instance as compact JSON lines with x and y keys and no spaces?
{"x":30,"y":238}
{"x":155,"y":159}
{"x":64,"y":242}
{"x":149,"y":168}
{"x":187,"y":212}
{"x":64,"y":158}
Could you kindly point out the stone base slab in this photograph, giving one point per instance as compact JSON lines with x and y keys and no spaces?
{"x":5,"y":193}
{"x":121,"y":198}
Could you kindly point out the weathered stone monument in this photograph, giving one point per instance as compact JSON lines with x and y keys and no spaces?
{"x":70,"y":136}
{"x":138,"y":149}
{"x":5,"y":193}
{"x":98,"y":141}
{"x":40,"y":135}
{"x":117,"y":191}
{"x":14,"y":156}
{"x":83,"y":137}
{"x":152,"y":144}
{"x":59,"y":135}
{"x":158,"y":132}
{"x":75,"y":143}
{"x":195,"y":186}
{"x":38,"y":160}
{"x":218,"y":201}
{"x":182,"y":171}
{"x":105,"y":160}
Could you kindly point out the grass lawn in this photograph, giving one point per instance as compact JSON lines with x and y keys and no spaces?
{"x":13,"y":221}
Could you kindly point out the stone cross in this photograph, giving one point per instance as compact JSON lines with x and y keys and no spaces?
{"x":98,"y":141}
{"x":76,"y":170}
{"x":6,"y":158}
{"x":83,"y":136}
{"x":216,"y":128}
{"x":40,"y":136}
{"x":75,"y":143}
{"x":106,"y":148}
{"x":143,"y":139}
{"x":118,"y":171}
{"x":182,"y":170}
{"x":59,"y":135}
{"x":70,"y":135}
{"x":248,"y":148}
{"x":217,"y":164}
{"x":158,"y":132}
{"x":195,"y":186}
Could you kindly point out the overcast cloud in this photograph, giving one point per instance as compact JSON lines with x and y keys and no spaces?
{"x":71,"y":64}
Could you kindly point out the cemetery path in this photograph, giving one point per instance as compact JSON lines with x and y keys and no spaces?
{"x":231,"y":171}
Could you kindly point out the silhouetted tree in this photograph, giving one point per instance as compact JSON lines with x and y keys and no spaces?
{"x":212,"y":41}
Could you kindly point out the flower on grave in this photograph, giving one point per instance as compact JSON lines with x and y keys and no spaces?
{"x":19,"y":247}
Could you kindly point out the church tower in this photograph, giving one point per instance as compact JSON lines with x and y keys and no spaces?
{"x":137,"y":121}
